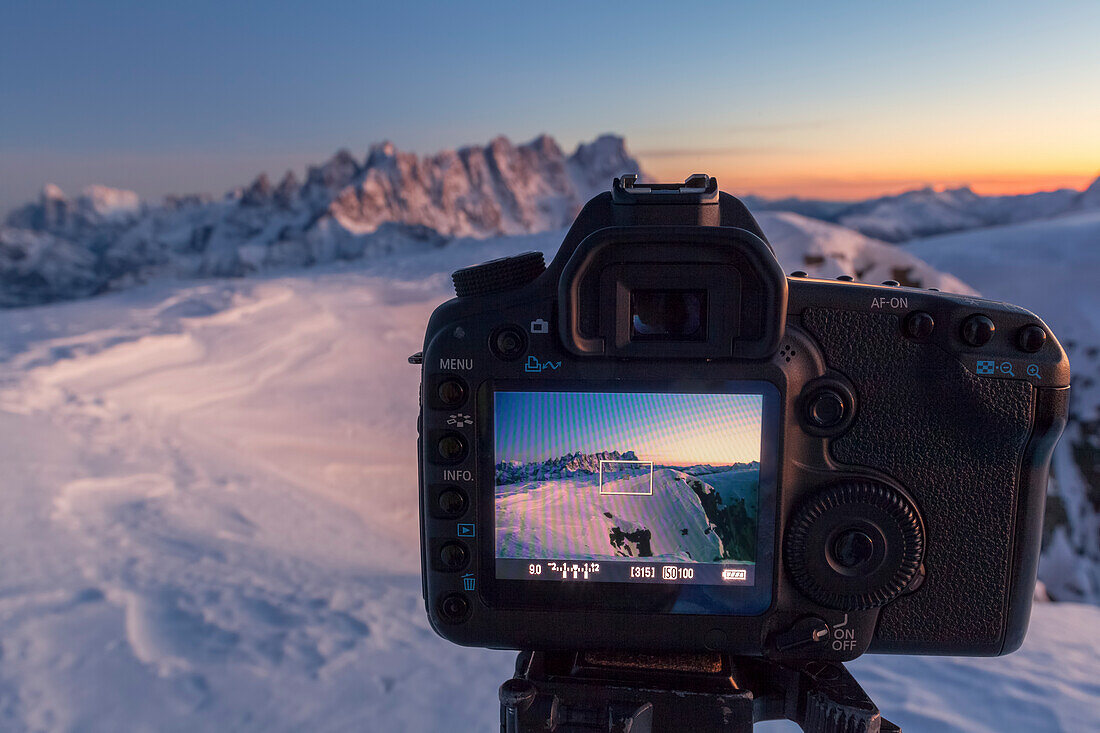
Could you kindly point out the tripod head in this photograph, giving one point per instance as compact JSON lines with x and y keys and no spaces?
{"x":575,"y":692}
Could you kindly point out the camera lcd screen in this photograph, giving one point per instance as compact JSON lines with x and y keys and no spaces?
{"x":631,"y":487}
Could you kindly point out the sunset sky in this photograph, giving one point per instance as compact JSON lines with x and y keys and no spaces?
{"x":676,"y":429}
{"x":813,"y":99}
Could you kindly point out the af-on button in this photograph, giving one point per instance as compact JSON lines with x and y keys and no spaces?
{"x":918,"y":325}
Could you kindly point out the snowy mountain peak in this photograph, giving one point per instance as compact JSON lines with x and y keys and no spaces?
{"x":1090,"y":197}
{"x":52,"y":191}
{"x":96,"y":206}
{"x":384,"y":150}
{"x":337,"y":172}
{"x":259,"y":193}
{"x":110,"y":202}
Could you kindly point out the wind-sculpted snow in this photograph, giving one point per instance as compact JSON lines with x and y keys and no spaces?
{"x":210,"y":523}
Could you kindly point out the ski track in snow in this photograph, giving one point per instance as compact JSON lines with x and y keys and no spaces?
{"x":210,"y":524}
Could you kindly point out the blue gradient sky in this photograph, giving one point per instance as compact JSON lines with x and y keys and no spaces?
{"x":826,"y":99}
{"x":675,"y":429}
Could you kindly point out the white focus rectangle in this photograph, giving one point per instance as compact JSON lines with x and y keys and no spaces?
{"x":613,"y":480}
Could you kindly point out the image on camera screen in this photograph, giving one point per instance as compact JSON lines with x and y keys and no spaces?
{"x":627,"y":486}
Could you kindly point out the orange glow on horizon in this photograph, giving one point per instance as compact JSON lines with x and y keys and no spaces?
{"x":855,"y":186}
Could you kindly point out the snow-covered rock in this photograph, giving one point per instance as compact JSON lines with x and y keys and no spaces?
{"x":347,"y":208}
{"x":1089,"y":198}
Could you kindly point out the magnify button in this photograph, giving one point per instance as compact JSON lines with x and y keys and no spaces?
{"x":1033,"y":371}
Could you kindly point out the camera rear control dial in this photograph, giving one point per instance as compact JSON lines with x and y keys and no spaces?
{"x":855,"y":545}
{"x":495,"y":276}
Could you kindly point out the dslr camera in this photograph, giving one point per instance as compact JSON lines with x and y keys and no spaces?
{"x":661,"y":443}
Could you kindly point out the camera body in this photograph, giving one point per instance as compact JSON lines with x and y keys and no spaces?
{"x":661,"y":443}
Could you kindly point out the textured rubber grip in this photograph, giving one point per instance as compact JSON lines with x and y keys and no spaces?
{"x":956,"y":442}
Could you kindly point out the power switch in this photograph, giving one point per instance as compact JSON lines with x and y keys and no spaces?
{"x":804,"y":632}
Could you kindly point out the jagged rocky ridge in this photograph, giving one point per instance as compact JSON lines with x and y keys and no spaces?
{"x":347,"y":208}
{"x":573,"y":464}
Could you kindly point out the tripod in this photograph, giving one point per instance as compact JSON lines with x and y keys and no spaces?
{"x":584,"y":692}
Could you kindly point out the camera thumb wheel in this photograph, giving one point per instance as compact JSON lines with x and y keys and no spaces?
{"x":855,"y":545}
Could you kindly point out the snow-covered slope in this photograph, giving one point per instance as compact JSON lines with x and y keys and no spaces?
{"x":209,"y":523}
{"x":346,"y":208}
{"x":827,"y":250}
{"x":572,"y":518}
{"x":1051,"y":267}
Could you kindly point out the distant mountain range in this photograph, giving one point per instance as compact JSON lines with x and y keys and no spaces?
{"x":574,"y":464}
{"x":60,"y":248}
{"x":347,"y":208}
{"x":925,"y":212}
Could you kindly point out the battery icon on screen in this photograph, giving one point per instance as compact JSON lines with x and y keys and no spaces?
{"x":734,"y":574}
